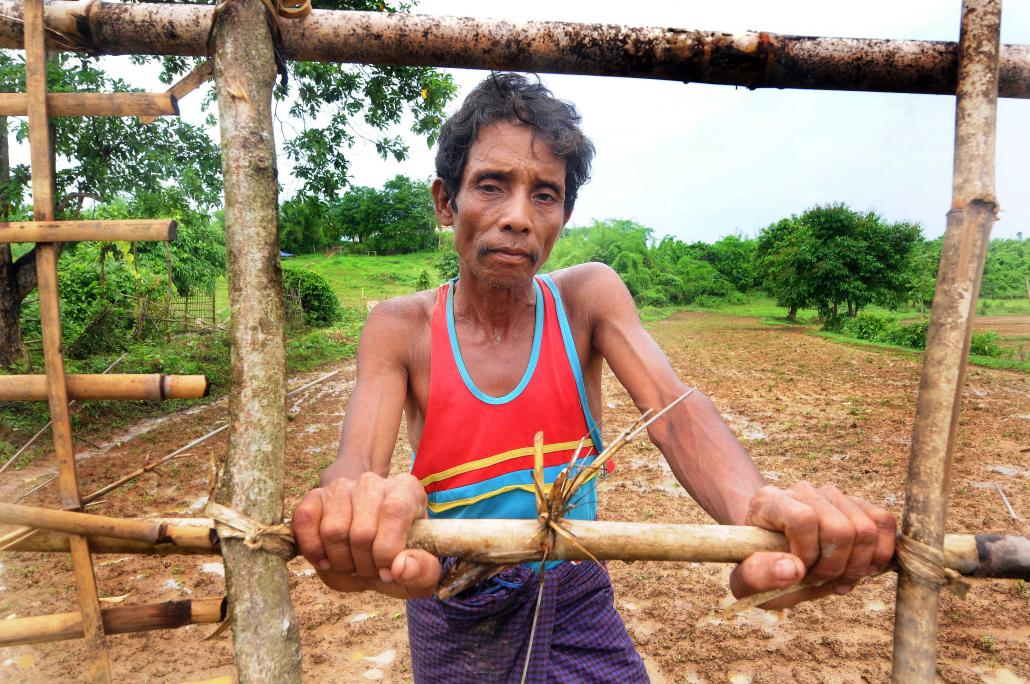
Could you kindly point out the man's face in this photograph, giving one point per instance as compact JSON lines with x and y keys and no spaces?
{"x":510,"y":205}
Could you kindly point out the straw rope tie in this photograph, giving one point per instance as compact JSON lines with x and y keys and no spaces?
{"x":276,"y":539}
{"x":925,"y":564}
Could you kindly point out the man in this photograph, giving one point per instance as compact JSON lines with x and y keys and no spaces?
{"x":482,"y":364}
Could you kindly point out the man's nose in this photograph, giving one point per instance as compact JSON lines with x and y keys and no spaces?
{"x":518,"y":215}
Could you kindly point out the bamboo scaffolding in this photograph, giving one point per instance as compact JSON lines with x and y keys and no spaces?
{"x":117,"y":620}
{"x":752,"y":60}
{"x":149,"y":387}
{"x":972,"y":214}
{"x":509,"y":541}
{"x":98,"y":665}
{"x":94,"y":104}
{"x":133,"y":230}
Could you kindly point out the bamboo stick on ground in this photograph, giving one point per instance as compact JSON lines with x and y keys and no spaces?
{"x":973,"y":211}
{"x":122,"y":386}
{"x":117,"y":620}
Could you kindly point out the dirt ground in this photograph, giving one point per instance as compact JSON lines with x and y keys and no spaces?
{"x":804,"y":406}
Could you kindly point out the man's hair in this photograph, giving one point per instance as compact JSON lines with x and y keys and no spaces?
{"x":506,"y":97}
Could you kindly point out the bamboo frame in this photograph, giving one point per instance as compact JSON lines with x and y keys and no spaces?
{"x":98,"y":665}
{"x":752,"y":60}
{"x":114,"y":386}
{"x":117,"y":620}
{"x":972,"y":214}
{"x":94,"y":104}
{"x":132,"y":230}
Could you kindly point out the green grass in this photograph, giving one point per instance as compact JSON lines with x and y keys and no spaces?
{"x":356,"y":279}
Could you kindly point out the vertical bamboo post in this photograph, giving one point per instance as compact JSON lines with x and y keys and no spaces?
{"x":41,"y":154}
{"x":265,"y":632}
{"x":970,"y":219}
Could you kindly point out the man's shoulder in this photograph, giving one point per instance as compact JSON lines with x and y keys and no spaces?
{"x":581,"y":285}
{"x":400,"y":319}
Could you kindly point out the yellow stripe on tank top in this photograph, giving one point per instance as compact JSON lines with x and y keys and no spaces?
{"x":448,"y":505}
{"x":500,"y":458}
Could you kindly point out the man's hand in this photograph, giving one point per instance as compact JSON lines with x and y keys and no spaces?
{"x":835,"y":541}
{"x":354,"y":533}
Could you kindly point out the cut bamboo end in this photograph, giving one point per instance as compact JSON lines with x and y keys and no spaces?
{"x":94,"y":104}
{"x":117,"y":620}
{"x":113,"y":386}
{"x":131,"y":230}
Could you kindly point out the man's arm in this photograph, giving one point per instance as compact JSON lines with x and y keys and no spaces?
{"x":835,"y":540}
{"x":353,"y":528}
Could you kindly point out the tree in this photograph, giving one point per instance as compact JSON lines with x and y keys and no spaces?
{"x":832,"y":255}
{"x":101,"y":159}
{"x":397,"y":219}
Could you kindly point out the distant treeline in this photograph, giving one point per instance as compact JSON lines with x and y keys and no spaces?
{"x":830,"y":258}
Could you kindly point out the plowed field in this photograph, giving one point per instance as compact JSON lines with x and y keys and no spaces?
{"x":804,"y":406}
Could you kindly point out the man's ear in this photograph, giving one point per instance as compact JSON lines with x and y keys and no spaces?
{"x":568,"y":215}
{"x":442,"y":203}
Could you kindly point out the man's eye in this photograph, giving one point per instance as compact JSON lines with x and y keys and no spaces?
{"x":486,"y":187}
{"x":545,"y":197}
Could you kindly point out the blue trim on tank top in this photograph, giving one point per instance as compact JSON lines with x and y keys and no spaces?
{"x":534,"y":354}
{"x":577,"y":372}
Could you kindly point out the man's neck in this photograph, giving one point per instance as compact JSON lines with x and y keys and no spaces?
{"x":495,"y":312}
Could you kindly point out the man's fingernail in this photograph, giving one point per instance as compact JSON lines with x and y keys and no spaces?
{"x":785,"y":570}
{"x":385,"y":574}
{"x":842,"y":588}
{"x":410,"y":567}
{"x":324,"y":564}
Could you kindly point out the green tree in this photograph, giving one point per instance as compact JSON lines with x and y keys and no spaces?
{"x":786,"y":255}
{"x":104,"y":159}
{"x":1006,"y":269}
{"x":397,"y":219}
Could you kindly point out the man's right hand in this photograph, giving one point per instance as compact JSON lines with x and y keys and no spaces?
{"x":354,"y":534}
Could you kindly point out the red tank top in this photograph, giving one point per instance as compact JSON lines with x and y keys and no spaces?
{"x":475,"y":456}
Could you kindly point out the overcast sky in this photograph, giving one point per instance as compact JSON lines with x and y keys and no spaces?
{"x":701,"y":162}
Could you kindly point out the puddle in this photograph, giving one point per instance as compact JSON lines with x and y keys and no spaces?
{"x":213,"y":568}
{"x":384,"y":658}
{"x":1008,"y":471}
{"x":360,"y":617}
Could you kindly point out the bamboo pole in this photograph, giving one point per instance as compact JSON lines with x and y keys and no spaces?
{"x":753,"y":60}
{"x":972,"y":214}
{"x":94,"y":104}
{"x":77,"y":231}
{"x":117,"y":620}
{"x":127,"y":386}
{"x":266,"y":635}
{"x":132,"y":529}
{"x":509,"y":541}
{"x":98,"y":665}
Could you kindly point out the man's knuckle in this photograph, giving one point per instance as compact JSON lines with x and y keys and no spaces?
{"x":335,"y":533}
{"x":362,"y":536}
{"x":865,"y":533}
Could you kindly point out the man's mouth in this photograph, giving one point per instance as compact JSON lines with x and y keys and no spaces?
{"x":508,"y":254}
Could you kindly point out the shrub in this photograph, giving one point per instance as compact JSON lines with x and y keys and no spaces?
{"x":317,"y":299}
{"x":986,"y":344}
{"x":708,"y":302}
{"x":911,"y":335}
{"x":869,"y":326}
{"x":423,"y":281}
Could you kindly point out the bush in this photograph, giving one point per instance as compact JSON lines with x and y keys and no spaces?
{"x":708,"y":302}
{"x":869,"y":326}
{"x":911,"y":335}
{"x":986,"y":344}
{"x":317,"y":299}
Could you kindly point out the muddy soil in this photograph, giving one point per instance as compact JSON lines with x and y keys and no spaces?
{"x":805,"y":407}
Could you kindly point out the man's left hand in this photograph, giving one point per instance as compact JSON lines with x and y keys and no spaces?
{"x":835,"y":541}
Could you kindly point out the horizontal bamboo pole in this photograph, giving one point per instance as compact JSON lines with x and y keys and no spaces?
{"x":753,"y":60}
{"x":147,"y":531}
{"x":133,"y":230}
{"x":48,"y":541}
{"x":117,"y":620}
{"x":94,"y":104}
{"x":512,"y":541}
{"x":115,"y":386}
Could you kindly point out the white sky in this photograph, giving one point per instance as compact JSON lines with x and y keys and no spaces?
{"x":700,"y":162}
